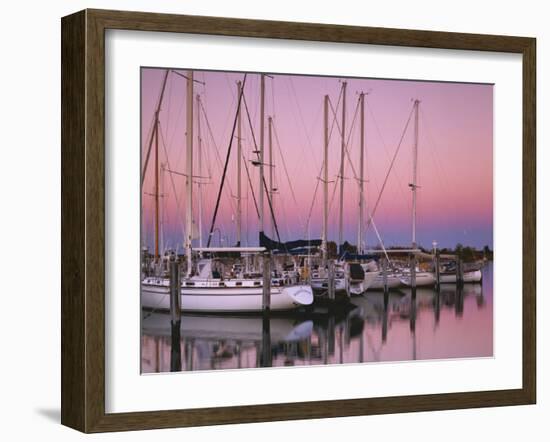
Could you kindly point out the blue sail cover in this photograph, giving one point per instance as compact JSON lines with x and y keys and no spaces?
{"x":299,"y":246}
{"x":356,"y":257}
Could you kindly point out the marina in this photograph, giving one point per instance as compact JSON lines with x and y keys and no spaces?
{"x":452,"y":322}
{"x":245,"y":264}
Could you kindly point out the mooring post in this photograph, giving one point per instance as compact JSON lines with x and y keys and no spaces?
{"x":189,"y":348}
{"x":266,"y":360}
{"x":266,"y":292}
{"x":459,"y":271}
{"x":412,"y":324}
{"x":330,"y":281}
{"x":437,"y":306}
{"x":323,"y":345}
{"x":413,"y":275}
{"x":385,"y":274}
{"x":175,"y":314}
{"x":437,"y":270}
{"x":385,"y":317}
{"x":175,"y":289}
{"x":331,"y":334}
{"x":459,"y":301}
{"x":175,"y":346}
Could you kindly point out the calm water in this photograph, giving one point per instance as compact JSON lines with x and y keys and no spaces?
{"x":453,"y":324}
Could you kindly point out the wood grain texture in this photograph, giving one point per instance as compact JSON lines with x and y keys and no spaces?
{"x":83,"y":219}
{"x":73,"y":254}
{"x":529,"y":220}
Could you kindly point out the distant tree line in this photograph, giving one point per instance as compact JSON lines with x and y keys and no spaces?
{"x":466,"y":253}
{"x":469,"y":254}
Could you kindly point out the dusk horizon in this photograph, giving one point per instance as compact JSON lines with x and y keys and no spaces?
{"x":455,"y":158}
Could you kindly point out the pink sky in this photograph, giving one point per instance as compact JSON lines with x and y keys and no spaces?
{"x":455,"y":156}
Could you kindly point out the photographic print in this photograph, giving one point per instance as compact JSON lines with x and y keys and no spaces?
{"x":291,"y":220}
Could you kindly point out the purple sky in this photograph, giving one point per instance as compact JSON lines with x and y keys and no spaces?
{"x":455,"y":157}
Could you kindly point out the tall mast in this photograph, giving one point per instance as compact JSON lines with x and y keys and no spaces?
{"x":154,"y":137}
{"x":325,"y":185}
{"x":239,"y":165}
{"x":157,"y":217}
{"x":414,"y":185}
{"x":157,"y":112}
{"x":269,"y":126}
{"x":262,"y":117}
{"x":189,"y":173}
{"x":162,"y":206}
{"x":342,"y":158}
{"x":361,"y":176}
{"x":199,"y":151}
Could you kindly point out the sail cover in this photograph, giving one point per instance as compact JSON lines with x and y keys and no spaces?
{"x":288,"y":246}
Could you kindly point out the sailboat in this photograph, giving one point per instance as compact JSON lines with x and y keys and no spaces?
{"x":447,"y":275}
{"x":216,"y":289}
{"x":393,"y":281}
{"x":208,"y":287}
{"x":320,"y":276}
{"x":360,"y":274}
{"x":423,"y":279}
{"x":246,"y":328}
{"x":360,"y":278}
{"x":420,"y":278}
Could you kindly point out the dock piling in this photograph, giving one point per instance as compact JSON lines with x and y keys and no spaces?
{"x":266,"y":287}
{"x":385,"y":274}
{"x":413,"y":275}
{"x":266,"y":357}
{"x":175,"y":288}
{"x":175,"y":346}
{"x":330,"y":281}
{"x":437,"y":270}
{"x":459,"y":271}
{"x":385,"y":317}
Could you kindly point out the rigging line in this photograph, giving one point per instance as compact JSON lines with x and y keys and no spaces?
{"x":227,"y":120}
{"x":345,"y":150}
{"x":206,"y":152}
{"x":226,"y":164}
{"x":233,"y":211}
{"x":306,"y":226}
{"x":293,"y":90}
{"x":169,"y":104}
{"x":379,"y":237}
{"x":401,"y":186}
{"x":157,"y":111}
{"x":264,"y":181}
{"x":272,"y":82}
{"x":178,"y":206}
{"x":230,"y":87}
{"x":390,"y":168}
{"x":437,"y":162}
{"x":286,"y":170}
{"x":251,"y":187}
{"x":150,"y":134}
{"x":334,"y":111}
{"x":285,"y":217}
{"x":174,"y":131}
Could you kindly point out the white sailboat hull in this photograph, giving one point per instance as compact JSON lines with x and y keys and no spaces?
{"x":239,"y":328}
{"x":474,"y":276}
{"x":226,"y":299}
{"x":322,"y":284}
{"x":358,"y":287}
{"x":423,"y":279}
{"x":394,"y":282}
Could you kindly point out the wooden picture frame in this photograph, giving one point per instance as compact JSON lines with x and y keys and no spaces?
{"x":83,"y":219}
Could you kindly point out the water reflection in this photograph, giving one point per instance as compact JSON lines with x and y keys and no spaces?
{"x":449,"y":323}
